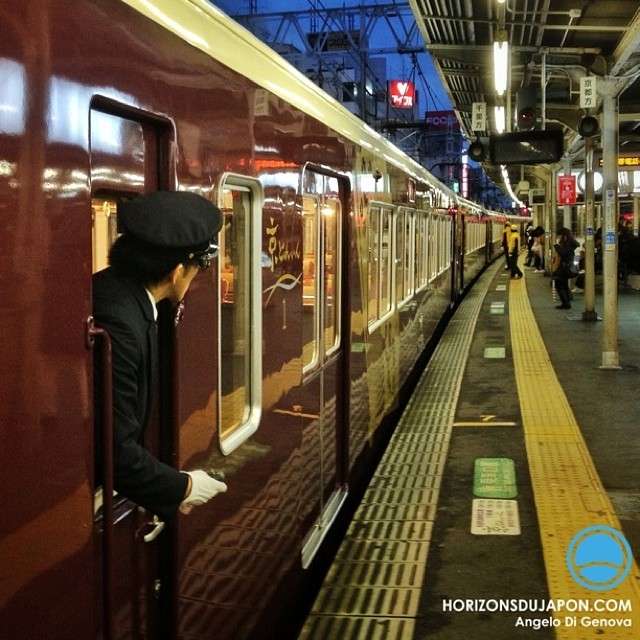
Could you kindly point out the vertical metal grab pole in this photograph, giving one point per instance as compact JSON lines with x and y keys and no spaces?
{"x":108,"y":578}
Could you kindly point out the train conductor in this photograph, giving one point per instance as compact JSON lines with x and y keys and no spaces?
{"x":167,"y":237}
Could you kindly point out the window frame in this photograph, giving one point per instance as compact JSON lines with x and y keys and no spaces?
{"x":323,"y":352}
{"x":381,"y":315}
{"x":243,"y":432}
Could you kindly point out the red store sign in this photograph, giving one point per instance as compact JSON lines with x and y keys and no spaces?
{"x":402,"y":94}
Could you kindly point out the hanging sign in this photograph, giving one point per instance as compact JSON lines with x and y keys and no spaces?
{"x":588,"y":96}
{"x":566,"y":189}
{"x":479,"y":116}
{"x":402,"y":94}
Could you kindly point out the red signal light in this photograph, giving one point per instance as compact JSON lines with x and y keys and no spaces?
{"x":526,"y":119}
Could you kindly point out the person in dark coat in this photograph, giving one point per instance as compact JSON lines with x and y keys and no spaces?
{"x":565,"y":248}
{"x":506,"y":235}
{"x":167,"y":238}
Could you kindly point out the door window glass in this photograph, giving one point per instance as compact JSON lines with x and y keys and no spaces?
{"x":239,"y":344}
{"x":322,"y":216}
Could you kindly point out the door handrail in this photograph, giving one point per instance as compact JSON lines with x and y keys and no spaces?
{"x":108,"y":571}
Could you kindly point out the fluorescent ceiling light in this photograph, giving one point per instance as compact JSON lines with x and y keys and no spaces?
{"x":501,"y":62}
{"x":500,"y":119}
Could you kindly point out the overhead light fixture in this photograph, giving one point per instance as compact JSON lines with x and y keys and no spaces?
{"x":500,"y":119}
{"x":501,"y":61}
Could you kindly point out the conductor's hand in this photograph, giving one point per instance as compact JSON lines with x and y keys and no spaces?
{"x":203,"y":488}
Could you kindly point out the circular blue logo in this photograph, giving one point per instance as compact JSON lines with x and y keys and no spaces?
{"x":599,"y":558}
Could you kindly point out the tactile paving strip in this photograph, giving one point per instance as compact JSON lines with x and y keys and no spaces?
{"x":568,"y":493}
{"x":373,"y":588}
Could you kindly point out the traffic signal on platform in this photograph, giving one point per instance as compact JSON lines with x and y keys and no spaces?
{"x":527,"y":109}
{"x":477,"y":151}
{"x":588,"y":126}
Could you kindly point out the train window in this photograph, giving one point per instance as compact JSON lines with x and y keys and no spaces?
{"x":440,"y":248}
{"x":125,"y":162}
{"x":446,"y":230}
{"x":239,"y":263}
{"x":474,"y":235}
{"x":403,"y":254}
{"x":380,"y":252}
{"x":421,"y":278}
{"x":105,"y":230}
{"x":310,"y":283}
{"x":321,"y":215}
{"x":399,"y":257}
{"x":434,"y":258}
{"x":372,"y":262}
{"x":331,"y":217}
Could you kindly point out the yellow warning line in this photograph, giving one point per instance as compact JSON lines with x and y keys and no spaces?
{"x":568,"y":492}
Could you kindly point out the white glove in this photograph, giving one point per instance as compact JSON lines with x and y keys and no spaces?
{"x":203,"y":488}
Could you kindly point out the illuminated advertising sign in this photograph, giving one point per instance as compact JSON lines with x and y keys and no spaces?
{"x":402,"y":94}
{"x":566,"y":189}
{"x":442,"y":120}
{"x":625,"y":161}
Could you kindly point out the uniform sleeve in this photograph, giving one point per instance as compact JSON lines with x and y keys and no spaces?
{"x":138,"y":475}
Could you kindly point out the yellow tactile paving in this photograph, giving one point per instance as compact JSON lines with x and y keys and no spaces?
{"x":568,"y":493}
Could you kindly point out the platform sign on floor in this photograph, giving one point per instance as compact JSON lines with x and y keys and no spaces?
{"x":494,"y":478}
{"x":492,"y":517}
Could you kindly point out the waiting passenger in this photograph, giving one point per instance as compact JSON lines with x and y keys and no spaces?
{"x":565,"y":247}
{"x":538,"y":249}
{"x":514,"y":250}
{"x":506,"y":233}
{"x":529,"y":240}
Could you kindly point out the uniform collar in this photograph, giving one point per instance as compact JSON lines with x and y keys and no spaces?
{"x":153,"y":304}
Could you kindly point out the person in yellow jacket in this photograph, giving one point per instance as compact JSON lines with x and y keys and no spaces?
{"x":514,"y":250}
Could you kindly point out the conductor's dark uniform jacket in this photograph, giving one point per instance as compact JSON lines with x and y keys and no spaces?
{"x":125,"y":310}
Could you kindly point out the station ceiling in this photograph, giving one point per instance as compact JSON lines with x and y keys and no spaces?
{"x":553,"y":44}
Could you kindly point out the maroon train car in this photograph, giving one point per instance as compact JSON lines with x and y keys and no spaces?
{"x":339,"y":258}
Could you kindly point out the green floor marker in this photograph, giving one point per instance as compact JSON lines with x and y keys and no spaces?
{"x":494,"y":352}
{"x":494,"y":478}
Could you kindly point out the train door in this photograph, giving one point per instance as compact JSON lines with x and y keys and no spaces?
{"x":324,"y":198}
{"x":126,"y":158}
{"x":459,"y":228}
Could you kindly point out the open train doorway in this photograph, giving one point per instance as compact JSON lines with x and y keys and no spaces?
{"x":133,"y":591}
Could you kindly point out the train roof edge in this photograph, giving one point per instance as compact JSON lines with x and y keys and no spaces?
{"x":194,"y":20}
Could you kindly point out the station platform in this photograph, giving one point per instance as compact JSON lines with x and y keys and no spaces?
{"x":507,"y":504}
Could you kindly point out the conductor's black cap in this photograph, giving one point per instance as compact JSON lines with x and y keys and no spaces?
{"x":174,"y":220}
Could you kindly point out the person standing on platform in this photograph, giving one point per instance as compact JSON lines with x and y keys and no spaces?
{"x":528,"y":236}
{"x":538,"y":249}
{"x":506,"y":233}
{"x":514,"y":250}
{"x":565,"y":248}
{"x":167,"y":237}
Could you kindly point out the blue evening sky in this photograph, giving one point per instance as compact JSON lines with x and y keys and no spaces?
{"x":399,"y":67}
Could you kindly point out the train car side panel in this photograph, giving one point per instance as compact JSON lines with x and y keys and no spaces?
{"x":45,"y":421}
